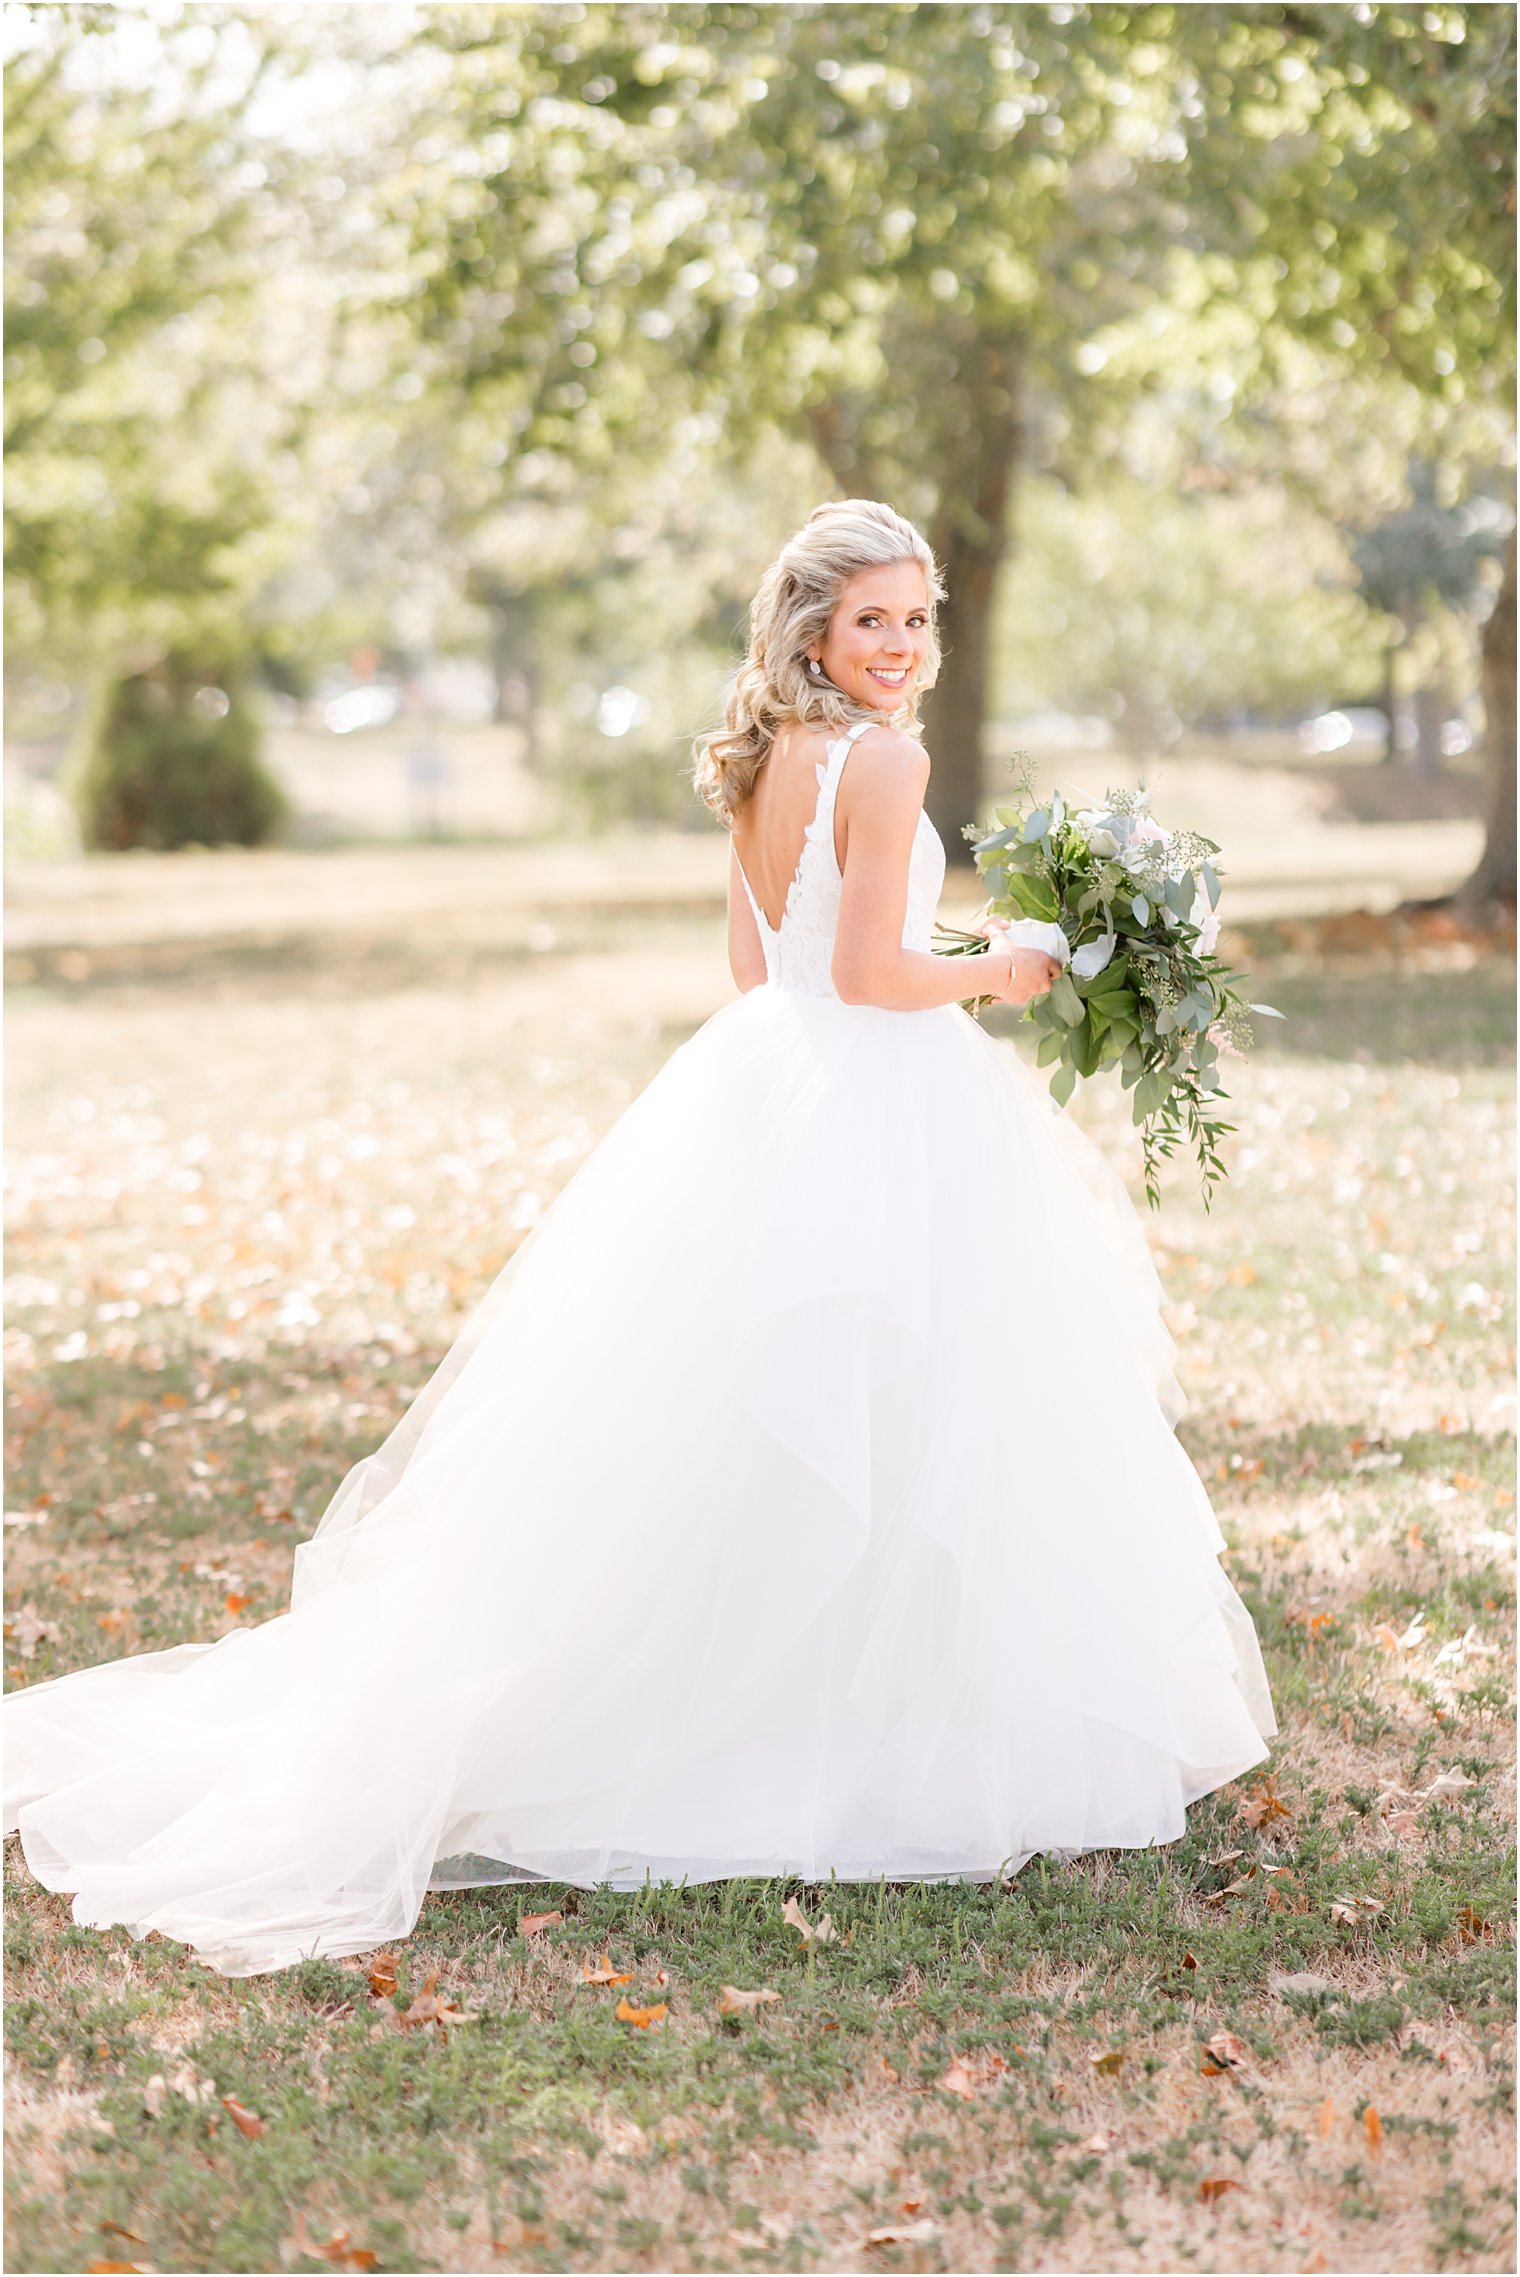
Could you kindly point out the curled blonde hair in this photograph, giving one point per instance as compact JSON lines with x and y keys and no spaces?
{"x":793,"y":604}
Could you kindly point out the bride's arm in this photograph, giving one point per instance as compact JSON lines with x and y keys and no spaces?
{"x":746,"y":958}
{"x":880,"y":794}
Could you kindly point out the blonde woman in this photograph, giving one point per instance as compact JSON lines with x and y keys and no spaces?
{"x":803,"y":1499}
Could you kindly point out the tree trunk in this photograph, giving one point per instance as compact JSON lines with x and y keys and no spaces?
{"x":1390,"y":707}
{"x":970,"y":540}
{"x":1429,"y":717}
{"x":1494,"y":878}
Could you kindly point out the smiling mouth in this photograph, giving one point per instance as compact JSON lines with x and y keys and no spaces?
{"x":888,"y":679}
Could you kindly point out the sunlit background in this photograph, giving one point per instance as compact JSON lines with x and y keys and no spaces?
{"x":403,"y":401}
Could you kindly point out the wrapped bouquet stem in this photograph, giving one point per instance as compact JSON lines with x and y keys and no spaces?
{"x":1131,"y":912}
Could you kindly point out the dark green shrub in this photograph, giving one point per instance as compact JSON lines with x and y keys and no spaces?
{"x":173,"y":760}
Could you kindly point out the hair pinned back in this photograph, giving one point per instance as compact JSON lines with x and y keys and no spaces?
{"x":792,"y":607}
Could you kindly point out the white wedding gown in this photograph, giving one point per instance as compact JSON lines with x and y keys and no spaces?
{"x":803,"y":1498}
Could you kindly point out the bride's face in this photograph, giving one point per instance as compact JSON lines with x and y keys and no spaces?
{"x":877,"y":638}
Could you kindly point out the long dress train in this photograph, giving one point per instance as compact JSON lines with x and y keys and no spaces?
{"x":804,"y":1496}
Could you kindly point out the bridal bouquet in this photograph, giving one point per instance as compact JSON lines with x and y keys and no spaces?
{"x":1130,"y":910}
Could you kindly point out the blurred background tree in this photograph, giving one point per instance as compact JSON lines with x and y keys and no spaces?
{"x":528,"y":333}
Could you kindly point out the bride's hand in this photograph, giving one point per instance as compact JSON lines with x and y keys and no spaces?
{"x":1032,"y":974}
{"x":1030,"y":971}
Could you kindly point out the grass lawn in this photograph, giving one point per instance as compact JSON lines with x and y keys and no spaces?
{"x":256,"y":1184}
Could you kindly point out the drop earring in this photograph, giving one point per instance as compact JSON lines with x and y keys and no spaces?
{"x":815,"y":668}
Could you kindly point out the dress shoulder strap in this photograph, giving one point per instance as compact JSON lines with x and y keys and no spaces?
{"x":838,"y":746}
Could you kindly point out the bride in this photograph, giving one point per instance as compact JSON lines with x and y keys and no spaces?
{"x":803,"y":1498}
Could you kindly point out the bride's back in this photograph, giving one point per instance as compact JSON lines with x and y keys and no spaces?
{"x":770,"y":829}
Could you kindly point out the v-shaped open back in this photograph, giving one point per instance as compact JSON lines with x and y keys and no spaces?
{"x":828,"y":771}
{"x":799,"y":952}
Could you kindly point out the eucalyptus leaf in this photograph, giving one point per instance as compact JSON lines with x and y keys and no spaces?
{"x":1037,"y":826}
{"x":1141,"y":908}
{"x":1065,"y":999}
{"x":1062,"y":1084}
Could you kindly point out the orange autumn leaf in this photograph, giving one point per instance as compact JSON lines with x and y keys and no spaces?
{"x":1373,"y":2127}
{"x":234,"y":1603}
{"x":1224,"y":2053}
{"x":98,"y":2268}
{"x":1264,"y":1804}
{"x":532,"y":1924}
{"x":340,"y":2252}
{"x":606,"y":1974}
{"x":432,"y":2010}
{"x":1214,"y":2186}
{"x":382,"y":1976}
{"x":1465,"y":1480}
{"x":1107,"y":2066}
{"x":246,"y":2122}
{"x":112,"y":1621}
{"x":1326,"y":2117}
{"x":645,"y":2018}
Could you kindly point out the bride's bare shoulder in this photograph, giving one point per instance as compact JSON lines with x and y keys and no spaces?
{"x":890,"y":758}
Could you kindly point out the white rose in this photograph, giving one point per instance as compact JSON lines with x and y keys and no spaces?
{"x":1207,"y":919}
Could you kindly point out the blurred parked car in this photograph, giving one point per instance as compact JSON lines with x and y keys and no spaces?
{"x":374,"y":705}
{"x":1361,"y":727}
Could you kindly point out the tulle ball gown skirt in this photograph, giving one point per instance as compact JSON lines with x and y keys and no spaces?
{"x":802,"y":1498}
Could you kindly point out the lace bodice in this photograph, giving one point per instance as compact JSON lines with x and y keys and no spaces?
{"x":800,"y":955}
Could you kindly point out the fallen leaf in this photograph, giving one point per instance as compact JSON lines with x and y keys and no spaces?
{"x":1224,"y":2053}
{"x":606,"y":1973}
{"x":913,"y":2233}
{"x":431,"y":2010}
{"x":98,"y":2268}
{"x":340,"y":2251}
{"x":1352,"y":1912}
{"x":1472,"y":1925}
{"x":645,"y":2018}
{"x":246,"y":2122}
{"x":114,"y":2229}
{"x":234,"y":1603}
{"x":1404,"y":1822}
{"x":733,"y":2002}
{"x":1326,"y":2117}
{"x":1465,"y":1480}
{"x":1447,"y":1787}
{"x":1264,"y":1804}
{"x":1214,"y":2186}
{"x":382,"y":1978}
{"x":1108,"y":2065}
{"x":1099,"y":2145}
{"x":28,"y":1630}
{"x":533,"y":1924}
{"x":820,"y":1932}
{"x":1373,"y":2127}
